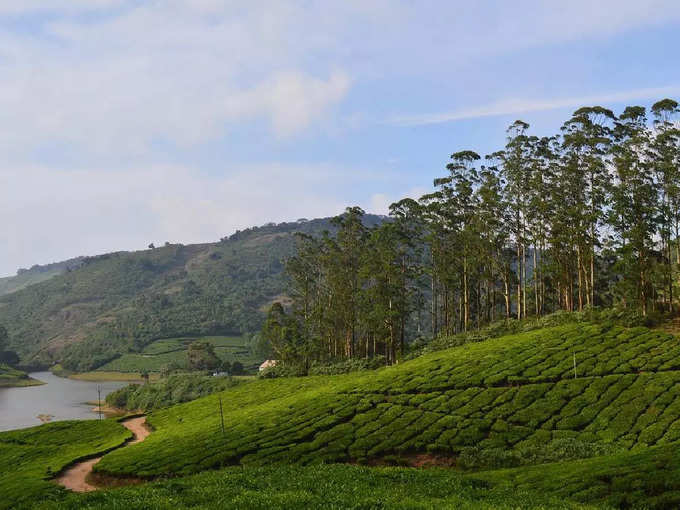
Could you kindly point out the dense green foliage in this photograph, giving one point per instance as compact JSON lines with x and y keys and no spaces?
{"x":118,"y":303}
{"x":12,"y":377}
{"x":166,"y":392}
{"x":579,"y":411}
{"x":36,"y":274}
{"x":515,"y":393}
{"x":30,"y":457}
{"x":168,"y":355}
{"x":620,"y":317}
{"x":642,"y":478}
{"x":330,"y":486}
{"x":587,"y":218}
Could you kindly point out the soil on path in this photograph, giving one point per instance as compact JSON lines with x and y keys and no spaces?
{"x":75,"y":477}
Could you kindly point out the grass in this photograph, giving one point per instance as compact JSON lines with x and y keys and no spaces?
{"x":642,"y":478}
{"x":105,"y":375}
{"x":30,"y":457}
{"x":328,"y":486}
{"x":514,"y":394}
{"x":507,"y":414}
{"x":165,"y":352}
{"x":11,"y":377}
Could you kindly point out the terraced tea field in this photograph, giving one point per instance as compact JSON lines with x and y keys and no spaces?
{"x":173,"y":351}
{"x":588,"y":414}
{"x":515,"y":394}
{"x":29,"y":458}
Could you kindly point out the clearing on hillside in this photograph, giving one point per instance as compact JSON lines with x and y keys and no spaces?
{"x":173,"y":351}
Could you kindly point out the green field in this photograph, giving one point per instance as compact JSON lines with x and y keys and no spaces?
{"x":162,"y":353}
{"x":329,"y":486}
{"x":506,"y":401}
{"x":503,"y":415}
{"x":30,"y":457}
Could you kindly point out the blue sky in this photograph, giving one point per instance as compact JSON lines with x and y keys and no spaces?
{"x":126,"y":122}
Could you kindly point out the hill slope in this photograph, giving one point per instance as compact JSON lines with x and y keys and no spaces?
{"x":36,"y":274}
{"x":120,"y":302}
{"x":607,"y":437}
{"x":507,"y":401}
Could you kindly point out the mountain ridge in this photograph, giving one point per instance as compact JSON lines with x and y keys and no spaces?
{"x":118,"y":302}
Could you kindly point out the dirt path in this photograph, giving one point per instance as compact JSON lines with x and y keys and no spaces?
{"x":75,"y":477}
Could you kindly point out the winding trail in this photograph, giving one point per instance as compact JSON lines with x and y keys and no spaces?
{"x":75,"y":477}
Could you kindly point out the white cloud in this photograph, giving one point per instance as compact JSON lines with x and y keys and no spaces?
{"x":520,"y":106}
{"x":149,"y":81}
{"x":84,"y":212}
{"x":379,"y":203}
{"x":189,"y":71}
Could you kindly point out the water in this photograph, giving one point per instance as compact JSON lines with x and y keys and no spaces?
{"x":64,"y":399}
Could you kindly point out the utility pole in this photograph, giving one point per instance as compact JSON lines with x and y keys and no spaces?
{"x":221,"y":415}
{"x":99,"y":398}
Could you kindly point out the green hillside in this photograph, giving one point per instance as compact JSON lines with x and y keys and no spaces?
{"x":314,"y":487}
{"x":509,"y":419}
{"x":120,"y":302}
{"x":173,"y":352}
{"x":36,"y":274}
{"x":516,"y":395}
{"x":30,"y":457}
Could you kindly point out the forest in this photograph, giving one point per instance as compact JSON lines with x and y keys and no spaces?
{"x":584,"y":219}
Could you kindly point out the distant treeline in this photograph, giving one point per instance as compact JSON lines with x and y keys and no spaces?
{"x":588,"y":217}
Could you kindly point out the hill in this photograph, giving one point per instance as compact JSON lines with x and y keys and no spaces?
{"x":502,"y":401}
{"x":36,"y":274}
{"x":509,"y":402}
{"x":120,"y":302}
{"x":589,"y":413}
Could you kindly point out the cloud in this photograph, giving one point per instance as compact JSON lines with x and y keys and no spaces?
{"x":379,"y":203}
{"x":148,"y":104}
{"x":85,"y":212}
{"x":520,"y":106}
{"x":291,"y":100}
{"x":115,"y":76}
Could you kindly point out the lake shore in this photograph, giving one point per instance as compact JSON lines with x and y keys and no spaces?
{"x":19,"y":382}
{"x":52,"y":399}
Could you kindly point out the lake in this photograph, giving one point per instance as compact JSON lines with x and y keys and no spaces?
{"x":62,"y":398}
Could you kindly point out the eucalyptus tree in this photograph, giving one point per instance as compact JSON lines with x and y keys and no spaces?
{"x":633,"y":207}
{"x":666,"y":149}
{"x":516,"y":167}
{"x":587,"y":139}
{"x":343,"y":277}
{"x":542,"y":207}
{"x":494,"y":237}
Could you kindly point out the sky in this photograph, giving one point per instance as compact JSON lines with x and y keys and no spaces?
{"x":126,"y":122}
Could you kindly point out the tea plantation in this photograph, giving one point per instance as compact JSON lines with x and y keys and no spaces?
{"x":173,"y":352}
{"x":30,"y":457}
{"x":507,"y":401}
{"x":330,"y":486}
{"x":587,"y":413}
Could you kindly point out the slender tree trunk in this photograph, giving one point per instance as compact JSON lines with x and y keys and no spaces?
{"x":535,"y":277}
{"x":519,"y":281}
{"x":578,"y":270}
{"x":524,"y":280}
{"x":466,"y":305}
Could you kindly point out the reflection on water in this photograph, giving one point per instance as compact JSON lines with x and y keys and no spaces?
{"x":60,"y":398}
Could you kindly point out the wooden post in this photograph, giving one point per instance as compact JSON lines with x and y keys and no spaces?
{"x":99,"y":398}
{"x":221,"y":415}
